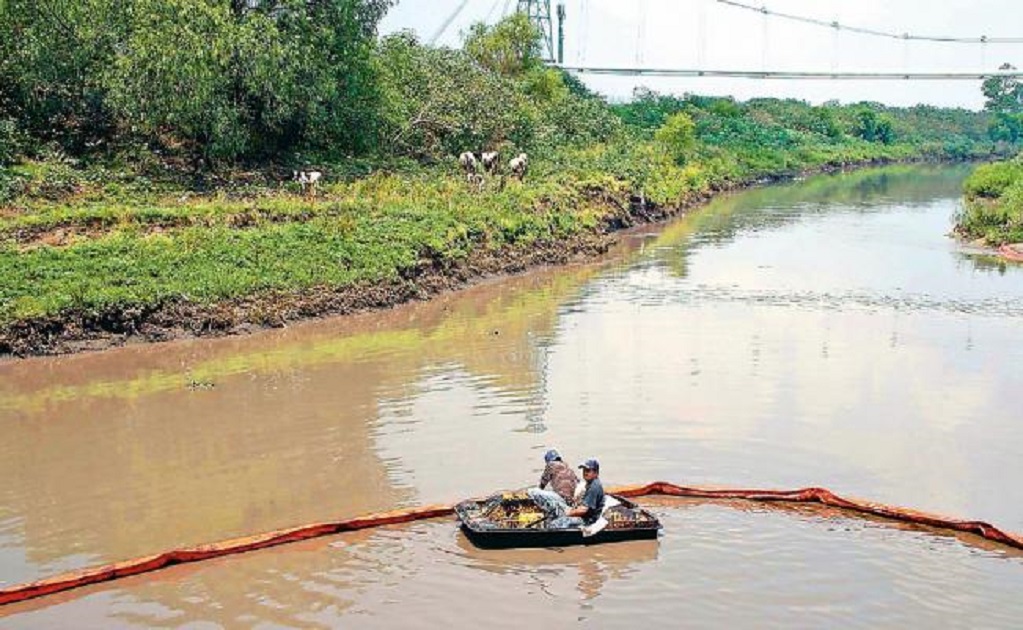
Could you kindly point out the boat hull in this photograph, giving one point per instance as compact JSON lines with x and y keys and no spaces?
{"x":552,"y":538}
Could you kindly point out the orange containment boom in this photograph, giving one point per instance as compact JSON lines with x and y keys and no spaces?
{"x":84,"y":577}
{"x":826,"y":497}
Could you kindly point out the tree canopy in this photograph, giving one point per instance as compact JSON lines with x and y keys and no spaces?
{"x":1004,"y":94}
{"x":222,"y":79}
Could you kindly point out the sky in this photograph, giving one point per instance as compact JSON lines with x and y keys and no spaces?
{"x":706,"y":34}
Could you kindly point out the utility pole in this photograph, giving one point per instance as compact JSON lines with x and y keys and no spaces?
{"x":539,"y":14}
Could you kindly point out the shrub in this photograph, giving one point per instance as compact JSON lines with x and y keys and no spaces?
{"x":438,"y":102}
{"x":990,"y":181}
{"x":678,"y":136}
{"x":10,"y":141}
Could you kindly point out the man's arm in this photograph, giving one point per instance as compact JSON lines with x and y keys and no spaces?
{"x":545,"y":478}
{"x":582,"y":510}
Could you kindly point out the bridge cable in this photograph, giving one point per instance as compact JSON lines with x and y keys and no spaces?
{"x":836,"y":49}
{"x":765,"y":43}
{"x":490,"y":13}
{"x":447,"y":22}
{"x":791,"y":74}
{"x":983,"y":39}
{"x":701,"y":34}
{"x":585,"y":31}
{"x":640,"y":32}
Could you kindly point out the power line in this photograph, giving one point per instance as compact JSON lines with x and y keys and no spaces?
{"x":490,"y":13}
{"x":792,"y":75}
{"x":983,"y":39}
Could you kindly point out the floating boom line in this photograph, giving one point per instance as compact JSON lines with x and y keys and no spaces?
{"x":983,"y":39}
{"x":795,"y":75}
{"x":823,"y":496}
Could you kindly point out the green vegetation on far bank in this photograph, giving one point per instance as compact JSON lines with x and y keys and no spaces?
{"x":993,"y":209}
{"x":113,"y":203}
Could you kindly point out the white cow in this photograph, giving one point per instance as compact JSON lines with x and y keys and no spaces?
{"x":519,"y":165}
{"x":469,"y":164}
{"x":477,"y":181}
{"x":307,"y":179}
{"x":490,"y":161}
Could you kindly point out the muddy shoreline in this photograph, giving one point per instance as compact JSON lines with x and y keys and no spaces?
{"x":76,"y":332}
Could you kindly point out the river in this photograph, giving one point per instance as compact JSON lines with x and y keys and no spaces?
{"x":826,"y":332}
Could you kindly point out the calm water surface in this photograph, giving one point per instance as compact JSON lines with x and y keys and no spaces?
{"x":821,"y":333}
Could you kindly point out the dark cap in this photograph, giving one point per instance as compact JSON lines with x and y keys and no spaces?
{"x":591,"y":464}
{"x":551,"y":456}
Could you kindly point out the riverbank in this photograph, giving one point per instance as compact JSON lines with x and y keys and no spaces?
{"x":95,"y":275}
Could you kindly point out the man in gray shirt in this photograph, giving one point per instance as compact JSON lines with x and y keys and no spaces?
{"x":592,"y":504}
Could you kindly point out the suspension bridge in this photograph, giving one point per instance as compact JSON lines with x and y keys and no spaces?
{"x":552,"y":18}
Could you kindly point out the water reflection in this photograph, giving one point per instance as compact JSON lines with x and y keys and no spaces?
{"x":589,"y":567}
{"x":111,"y":455}
{"x":773,"y":207}
{"x":986,"y":261}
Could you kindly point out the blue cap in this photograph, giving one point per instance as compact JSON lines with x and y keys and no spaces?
{"x":591,"y":464}
{"x":551,"y":455}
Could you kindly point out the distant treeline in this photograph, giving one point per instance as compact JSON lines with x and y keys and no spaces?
{"x":212,"y":84}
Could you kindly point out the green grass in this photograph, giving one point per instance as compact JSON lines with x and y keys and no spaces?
{"x":368,"y":231}
{"x":142,"y":244}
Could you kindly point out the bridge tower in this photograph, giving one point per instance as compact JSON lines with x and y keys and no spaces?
{"x":539,"y":14}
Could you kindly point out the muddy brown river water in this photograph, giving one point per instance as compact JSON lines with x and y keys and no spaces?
{"x":825,"y":332}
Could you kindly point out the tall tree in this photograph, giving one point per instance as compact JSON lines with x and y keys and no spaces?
{"x":252,"y":78}
{"x":510,"y":48}
{"x":1004,"y":94}
{"x":440,"y":102}
{"x":52,"y":54}
{"x":224,"y":78}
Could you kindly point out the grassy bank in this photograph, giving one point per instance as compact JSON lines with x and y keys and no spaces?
{"x":993,"y":209}
{"x":106,"y":261}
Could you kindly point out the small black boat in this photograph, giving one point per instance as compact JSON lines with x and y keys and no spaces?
{"x":514,"y":520}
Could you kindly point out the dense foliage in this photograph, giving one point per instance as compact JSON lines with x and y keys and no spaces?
{"x":216,"y":80}
{"x":993,"y":211}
